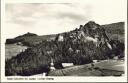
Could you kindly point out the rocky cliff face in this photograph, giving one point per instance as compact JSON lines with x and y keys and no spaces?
{"x":90,"y":32}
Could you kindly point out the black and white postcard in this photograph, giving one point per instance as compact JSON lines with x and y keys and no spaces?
{"x":64,"y":41}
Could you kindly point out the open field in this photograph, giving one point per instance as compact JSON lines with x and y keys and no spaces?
{"x":12,"y":50}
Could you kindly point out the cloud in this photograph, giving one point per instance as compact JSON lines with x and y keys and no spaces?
{"x":38,"y":15}
{"x":55,"y":18}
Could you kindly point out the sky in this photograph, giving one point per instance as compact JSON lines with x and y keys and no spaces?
{"x":53,"y":18}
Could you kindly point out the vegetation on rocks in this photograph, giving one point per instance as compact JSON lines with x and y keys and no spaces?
{"x":69,"y":47}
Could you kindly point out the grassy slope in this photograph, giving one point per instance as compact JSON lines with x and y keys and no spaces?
{"x":103,"y":68}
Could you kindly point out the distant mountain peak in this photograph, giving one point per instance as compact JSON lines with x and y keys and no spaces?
{"x":30,"y":34}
